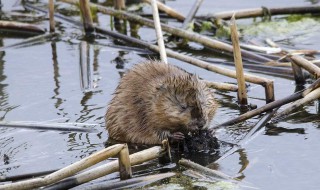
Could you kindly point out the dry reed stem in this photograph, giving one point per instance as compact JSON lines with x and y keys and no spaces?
{"x":157,"y":26}
{"x":110,"y":167}
{"x":119,"y":4}
{"x":312,"y":96}
{"x":242,"y":91}
{"x":297,"y":73}
{"x":51,"y":15}
{"x":67,"y":171}
{"x":307,"y":65}
{"x":126,"y":184}
{"x":222,"y":86}
{"x":254,"y":12}
{"x":45,"y":126}
{"x":21,"y":27}
{"x":191,"y":14}
{"x":171,"y":12}
{"x":124,"y":163}
{"x":86,"y":16}
{"x":205,"y":170}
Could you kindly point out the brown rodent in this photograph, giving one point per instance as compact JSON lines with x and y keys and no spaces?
{"x":155,"y":101}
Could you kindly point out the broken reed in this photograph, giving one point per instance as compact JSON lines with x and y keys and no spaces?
{"x":51,"y":15}
{"x":242,"y":91}
{"x":123,"y":164}
{"x":168,"y":10}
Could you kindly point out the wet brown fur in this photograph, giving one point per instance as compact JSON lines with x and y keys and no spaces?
{"x":154,"y":100}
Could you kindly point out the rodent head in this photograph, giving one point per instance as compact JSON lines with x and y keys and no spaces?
{"x":184,"y":104}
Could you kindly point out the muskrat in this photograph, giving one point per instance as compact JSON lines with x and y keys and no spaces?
{"x":155,"y":101}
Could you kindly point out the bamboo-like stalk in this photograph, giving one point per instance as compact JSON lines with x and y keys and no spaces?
{"x":51,"y":15}
{"x":45,"y":126}
{"x":312,"y":96}
{"x":171,"y":12}
{"x":242,"y":91}
{"x":124,"y":163}
{"x":268,"y":50}
{"x":21,"y":27}
{"x":205,"y":170}
{"x":254,"y":12}
{"x":307,"y":65}
{"x":126,"y":184}
{"x":100,"y":171}
{"x":192,"y":13}
{"x":67,"y":171}
{"x":86,"y":16}
{"x":192,"y":36}
{"x":222,"y":86}
{"x":272,"y":105}
{"x":157,"y":26}
{"x":268,"y":84}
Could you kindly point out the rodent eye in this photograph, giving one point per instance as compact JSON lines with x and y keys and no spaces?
{"x":183,"y":107}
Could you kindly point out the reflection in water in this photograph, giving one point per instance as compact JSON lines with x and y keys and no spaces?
{"x":85,"y":67}
{"x":4,"y":105}
{"x":244,"y":162}
{"x":120,"y":61}
{"x":56,"y":76}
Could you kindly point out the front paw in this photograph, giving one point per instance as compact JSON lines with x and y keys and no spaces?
{"x":176,"y":137}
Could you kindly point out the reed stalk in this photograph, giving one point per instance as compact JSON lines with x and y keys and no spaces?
{"x":124,"y":164}
{"x":51,"y":15}
{"x":205,"y":170}
{"x":67,"y":171}
{"x":242,"y":91}
{"x":110,"y":167}
{"x":312,"y":96}
{"x":191,"y":14}
{"x":168,"y":10}
{"x":21,"y":27}
{"x":307,"y":65}
{"x":86,"y":16}
{"x":157,"y":26}
{"x":255,"y":12}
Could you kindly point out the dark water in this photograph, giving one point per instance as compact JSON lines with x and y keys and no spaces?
{"x":46,"y":82}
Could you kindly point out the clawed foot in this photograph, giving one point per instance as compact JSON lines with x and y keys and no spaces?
{"x":176,"y":136}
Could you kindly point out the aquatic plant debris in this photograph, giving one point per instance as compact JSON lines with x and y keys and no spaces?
{"x":282,"y":29}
